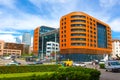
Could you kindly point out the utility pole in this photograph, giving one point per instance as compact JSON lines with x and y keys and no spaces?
{"x":42,"y":46}
{"x":55,"y":47}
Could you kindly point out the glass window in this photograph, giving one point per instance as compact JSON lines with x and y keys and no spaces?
{"x":78,"y":16}
{"x":101,"y":35}
{"x":78,"y":25}
{"x":78,"y":39}
{"x":80,"y":30}
{"x":78,"y":20}
{"x":78,"y":44}
{"x":78,"y":34}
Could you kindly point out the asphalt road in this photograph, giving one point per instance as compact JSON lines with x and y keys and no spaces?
{"x":109,"y":75}
{"x":104,"y":75}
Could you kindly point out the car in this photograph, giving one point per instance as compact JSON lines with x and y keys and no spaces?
{"x":82,"y":64}
{"x":101,"y":62}
{"x":13,"y":63}
{"x":38,"y":62}
{"x":112,"y":65}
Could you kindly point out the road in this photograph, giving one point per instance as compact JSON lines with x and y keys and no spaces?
{"x":109,"y":75}
{"x":104,"y":75}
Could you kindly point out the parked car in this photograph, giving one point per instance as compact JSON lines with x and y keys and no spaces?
{"x":38,"y":62}
{"x":82,"y":64}
{"x":101,"y":62}
{"x":112,"y":65}
{"x":13,"y":63}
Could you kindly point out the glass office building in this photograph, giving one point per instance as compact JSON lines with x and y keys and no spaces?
{"x":42,"y":35}
{"x":26,"y":38}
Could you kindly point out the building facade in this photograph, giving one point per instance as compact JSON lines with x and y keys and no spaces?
{"x":115,"y":49}
{"x":1,"y":47}
{"x":52,"y":48}
{"x":26,"y":38}
{"x":83,"y":37}
{"x":7,"y":48}
{"x":42,"y":35}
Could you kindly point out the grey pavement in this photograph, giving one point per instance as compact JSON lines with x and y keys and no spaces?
{"x":107,"y":75}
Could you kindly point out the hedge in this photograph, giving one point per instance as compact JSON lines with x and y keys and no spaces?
{"x":102,"y":66}
{"x":64,"y":73}
{"x":94,"y":74}
{"x":31,"y":68}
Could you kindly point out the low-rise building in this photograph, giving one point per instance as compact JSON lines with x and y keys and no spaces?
{"x":115,"y":48}
{"x":52,"y":48}
{"x":7,"y":48}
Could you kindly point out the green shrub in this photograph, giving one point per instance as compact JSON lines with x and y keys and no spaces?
{"x":94,"y":74}
{"x":102,"y":66}
{"x":64,"y":73}
{"x":24,"y":69}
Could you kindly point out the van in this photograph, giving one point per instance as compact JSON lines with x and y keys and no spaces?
{"x":112,"y":65}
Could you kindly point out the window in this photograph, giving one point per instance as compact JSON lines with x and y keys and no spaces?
{"x":94,"y":32}
{"x":64,"y":31}
{"x":78,"y":34}
{"x":78,"y":20}
{"x":91,"y":40}
{"x":64,"y":26}
{"x":64,"y":35}
{"x":64,"y":22}
{"x":78,"y":44}
{"x":90,"y":44}
{"x":64,"y":40}
{"x":64,"y":44}
{"x":101,"y":36}
{"x":78,"y":16}
{"x":78,"y":25}
{"x":78,"y":39}
{"x":80,"y":30}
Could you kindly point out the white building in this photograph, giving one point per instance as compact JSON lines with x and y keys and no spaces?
{"x":115,"y":48}
{"x":51,"y":47}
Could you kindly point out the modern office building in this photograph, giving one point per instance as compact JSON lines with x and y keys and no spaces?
{"x":51,"y":49}
{"x":26,"y":38}
{"x":83,"y":37}
{"x":42,"y":35}
{"x":115,"y":49}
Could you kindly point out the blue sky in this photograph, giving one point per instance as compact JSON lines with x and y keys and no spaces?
{"x":18,"y":16}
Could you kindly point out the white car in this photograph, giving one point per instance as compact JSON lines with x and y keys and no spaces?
{"x":112,"y":65}
{"x":13,"y":63}
{"x":82,"y":64}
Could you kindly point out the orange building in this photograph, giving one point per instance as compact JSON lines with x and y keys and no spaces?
{"x":83,"y":36}
{"x":36,"y":41}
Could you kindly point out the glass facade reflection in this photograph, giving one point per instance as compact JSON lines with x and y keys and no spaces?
{"x":81,"y":57}
{"x":46,"y":37}
{"x":102,"y":36}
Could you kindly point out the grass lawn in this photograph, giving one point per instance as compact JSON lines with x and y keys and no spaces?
{"x":22,"y":74}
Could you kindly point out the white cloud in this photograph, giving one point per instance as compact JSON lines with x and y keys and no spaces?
{"x":7,"y":38}
{"x":8,"y":3}
{"x":108,"y":3}
{"x":27,"y":22}
{"x":9,"y":32}
{"x":115,"y":25}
